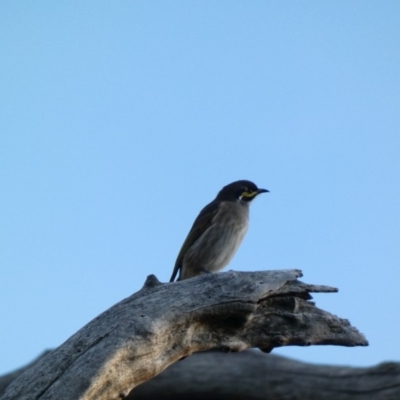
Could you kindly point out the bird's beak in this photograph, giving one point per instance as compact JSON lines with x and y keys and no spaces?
{"x":262,"y":191}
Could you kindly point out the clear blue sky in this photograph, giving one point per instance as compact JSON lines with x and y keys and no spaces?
{"x":120,"y":120}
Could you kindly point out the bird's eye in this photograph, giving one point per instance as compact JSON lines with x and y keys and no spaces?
{"x":248,"y":190}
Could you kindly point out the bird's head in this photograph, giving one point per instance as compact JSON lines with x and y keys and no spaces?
{"x":240,"y":190}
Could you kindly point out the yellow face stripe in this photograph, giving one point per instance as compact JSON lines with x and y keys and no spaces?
{"x":249,"y":194}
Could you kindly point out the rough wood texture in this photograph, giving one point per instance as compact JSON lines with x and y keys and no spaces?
{"x":253,"y":375}
{"x":5,"y":380}
{"x":142,"y":335}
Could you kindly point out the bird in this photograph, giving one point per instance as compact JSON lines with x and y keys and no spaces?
{"x":217,"y":231}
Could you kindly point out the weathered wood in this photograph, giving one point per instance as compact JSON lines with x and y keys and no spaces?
{"x":142,"y":335}
{"x":6,"y":379}
{"x":252,"y":375}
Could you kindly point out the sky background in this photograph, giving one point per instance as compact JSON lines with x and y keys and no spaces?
{"x":120,"y":120}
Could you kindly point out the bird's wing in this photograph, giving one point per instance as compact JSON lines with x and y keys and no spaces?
{"x":203,"y":221}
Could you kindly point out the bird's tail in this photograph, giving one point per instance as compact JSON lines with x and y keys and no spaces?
{"x":177,"y":269}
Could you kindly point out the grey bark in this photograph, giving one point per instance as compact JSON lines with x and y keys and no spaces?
{"x":5,"y":380}
{"x":253,"y":375}
{"x":142,"y":335}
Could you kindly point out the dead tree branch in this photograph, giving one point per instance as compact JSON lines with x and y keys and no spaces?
{"x":142,"y":335}
{"x":252,"y":375}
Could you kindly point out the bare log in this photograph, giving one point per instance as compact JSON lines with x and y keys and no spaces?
{"x":5,"y":380}
{"x":142,"y":335}
{"x":253,"y":375}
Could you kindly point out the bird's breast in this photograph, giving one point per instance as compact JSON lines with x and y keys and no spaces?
{"x":229,"y":228}
{"x":218,"y":244}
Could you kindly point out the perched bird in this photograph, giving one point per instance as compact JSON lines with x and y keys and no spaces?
{"x":217,"y":231}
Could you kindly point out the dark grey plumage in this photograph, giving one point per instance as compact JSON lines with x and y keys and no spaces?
{"x":217,"y":231}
